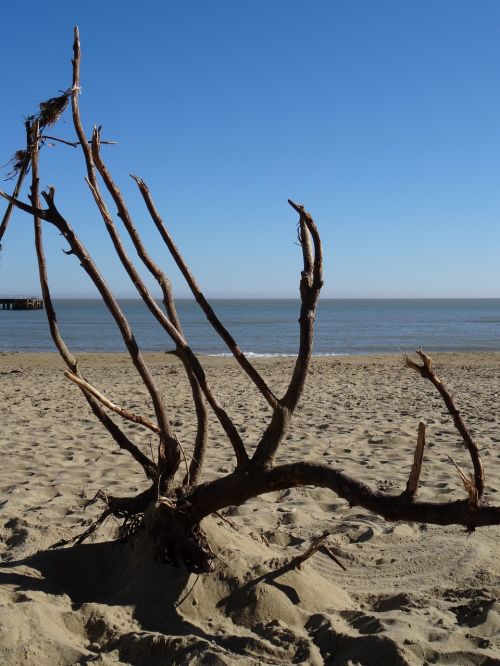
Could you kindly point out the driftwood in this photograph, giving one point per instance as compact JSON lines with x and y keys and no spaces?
{"x":173,"y":504}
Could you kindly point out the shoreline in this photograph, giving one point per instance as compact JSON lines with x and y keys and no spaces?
{"x":156,"y":357}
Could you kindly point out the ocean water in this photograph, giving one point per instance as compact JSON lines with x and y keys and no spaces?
{"x":269,"y":327}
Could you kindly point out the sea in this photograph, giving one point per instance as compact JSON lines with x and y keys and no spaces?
{"x":270,"y":327}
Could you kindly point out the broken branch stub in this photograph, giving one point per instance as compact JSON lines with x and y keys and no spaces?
{"x":416,"y":468}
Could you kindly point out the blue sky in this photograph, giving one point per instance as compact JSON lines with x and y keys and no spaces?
{"x":381,"y":117}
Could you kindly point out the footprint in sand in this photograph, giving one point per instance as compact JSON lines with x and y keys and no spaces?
{"x":19,"y":533}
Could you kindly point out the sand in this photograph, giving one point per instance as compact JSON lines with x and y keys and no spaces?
{"x":411,"y":594}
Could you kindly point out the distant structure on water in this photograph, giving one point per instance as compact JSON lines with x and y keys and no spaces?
{"x":21,"y":303}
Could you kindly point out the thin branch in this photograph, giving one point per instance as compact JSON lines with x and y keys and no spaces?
{"x":125,"y":413}
{"x":416,"y":468}
{"x":119,"y":507}
{"x":328,"y":551}
{"x":20,"y":179}
{"x":317,"y":267}
{"x":143,"y":254}
{"x":118,"y":435}
{"x":42,"y":213}
{"x":201,"y":300}
{"x":187,"y":479}
{"x":427,"y":372}
{"x":318,"y":544}
{"x":68,"y":358}
{"x":73,"y":144}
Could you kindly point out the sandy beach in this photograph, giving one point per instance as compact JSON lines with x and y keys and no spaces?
{"x":410,"y":594}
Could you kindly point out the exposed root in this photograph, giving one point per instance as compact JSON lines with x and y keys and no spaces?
{"x":131,"y":526}
{"x":80,"y":538}
{"x":129,"y":509}
{"x":178,"y":538}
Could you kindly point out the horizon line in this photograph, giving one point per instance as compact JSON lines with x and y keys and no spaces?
{"x":280,"y":298}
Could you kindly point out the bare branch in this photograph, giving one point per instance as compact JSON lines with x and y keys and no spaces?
{"x":42,"y":213}
{"x":124,"y":215}
{"x":427,"y":372}
{"x":80,"y":538}
{"x":168,"y":450}
{"x":201,"y":300}
{"x":226,"y":422}
{"x":121,"y":507}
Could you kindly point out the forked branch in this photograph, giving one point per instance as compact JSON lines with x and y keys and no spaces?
{"x":310,"y":286}
{"x":427,"y":372}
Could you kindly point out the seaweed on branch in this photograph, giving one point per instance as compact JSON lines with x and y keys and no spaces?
{"x":52,"y":109}
{"x":49,"y":113}
{"x":16,"y":163}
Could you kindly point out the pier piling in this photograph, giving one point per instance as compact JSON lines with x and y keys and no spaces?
{"x":21,"y":303}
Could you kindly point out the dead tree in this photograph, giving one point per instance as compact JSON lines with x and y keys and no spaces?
{"x":175,"y":500}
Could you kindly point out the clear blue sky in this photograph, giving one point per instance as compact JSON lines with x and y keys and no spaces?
{"x":381,"y":117}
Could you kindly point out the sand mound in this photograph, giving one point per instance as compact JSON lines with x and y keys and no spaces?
{"x":111,"y":601}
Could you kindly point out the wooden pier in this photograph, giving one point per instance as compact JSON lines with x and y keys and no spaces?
{"x":21,"y":303}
